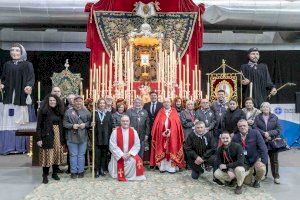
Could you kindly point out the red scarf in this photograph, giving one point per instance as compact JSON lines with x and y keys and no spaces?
{"x":120,"y":163}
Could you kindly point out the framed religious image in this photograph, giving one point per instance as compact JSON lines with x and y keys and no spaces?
{"x":144,"y":60}
{"x":226,"y":82}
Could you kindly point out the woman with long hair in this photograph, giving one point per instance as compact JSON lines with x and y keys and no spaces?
{"x":50,"y":136}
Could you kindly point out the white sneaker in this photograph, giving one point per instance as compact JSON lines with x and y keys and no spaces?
{"x":276,"y":181}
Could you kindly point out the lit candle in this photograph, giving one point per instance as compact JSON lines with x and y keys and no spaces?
{"x":199,"y":87}
{"x":81,"y":88}
{"x":39,"y":91}
{"x":208,"y":89}
{"x":91,"y":80}
{"x":251,"y":87}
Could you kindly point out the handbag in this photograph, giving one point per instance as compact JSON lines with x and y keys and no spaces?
{"x":279,"y":144}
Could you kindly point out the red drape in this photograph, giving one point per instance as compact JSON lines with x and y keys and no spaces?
{"x":94,"y":43}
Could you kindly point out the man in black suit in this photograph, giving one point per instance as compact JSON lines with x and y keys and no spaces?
{"x":152,"y":107}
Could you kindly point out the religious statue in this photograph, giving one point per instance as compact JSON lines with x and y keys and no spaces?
{"x":145,"y":90}
{"x":17,"y":81}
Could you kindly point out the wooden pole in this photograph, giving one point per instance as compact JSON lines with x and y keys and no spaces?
{"x":93,"y":135}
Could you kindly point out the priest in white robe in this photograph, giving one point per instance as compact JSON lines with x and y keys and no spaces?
{"x":124,"y":145}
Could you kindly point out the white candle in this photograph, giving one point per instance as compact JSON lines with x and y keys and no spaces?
{"x":39,"y":91}
{"x":251,"y":87}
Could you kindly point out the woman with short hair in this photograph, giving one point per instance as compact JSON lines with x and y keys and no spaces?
{"x":268,"y":125}
{"x":250,"y":111}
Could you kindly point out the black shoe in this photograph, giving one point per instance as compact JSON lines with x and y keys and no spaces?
{"x":101,"y":172}
{"x":73,"y":176}
{"x":231,"y":183}
{"x":238,"y":190}
{"x":256,"y":184}
{"x":45,"y":179}
{"x":217,"y":181}
{"x":55,"y":177}
{"x":97,"y":174}
{"x":60,"y":171}
{"x":81,"y":175}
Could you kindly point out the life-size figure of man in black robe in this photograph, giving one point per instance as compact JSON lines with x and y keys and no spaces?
{"x":258,"y":74}
{"x":17,"y":81}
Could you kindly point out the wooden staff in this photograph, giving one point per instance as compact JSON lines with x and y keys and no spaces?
{"x":93,"y":134}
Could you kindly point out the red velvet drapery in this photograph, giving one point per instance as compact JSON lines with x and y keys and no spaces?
{"x":94,"y":43}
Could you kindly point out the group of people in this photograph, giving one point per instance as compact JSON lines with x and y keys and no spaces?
{"x":234,"y":143}
{"x":218,"y":137}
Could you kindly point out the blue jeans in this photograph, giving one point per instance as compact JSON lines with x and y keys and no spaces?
{"x":77,"y":152}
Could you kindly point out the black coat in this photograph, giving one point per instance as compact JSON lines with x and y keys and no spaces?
{"x":231,"y":119}
{"x":273,"y":128}
{"x":195,"y":146}
{"x":104,"y":130}
{"x":255,"y":147}
{"x":16,"y":78}
{"x":44,"y":129}
{"x":261,"y":80}
{"x":147,"y":107}
{"x":234,"y":153}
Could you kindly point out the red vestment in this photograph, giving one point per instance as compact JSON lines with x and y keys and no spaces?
{"x":170,"y":148}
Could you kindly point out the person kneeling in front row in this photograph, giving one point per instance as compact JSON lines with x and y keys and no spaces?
{"x":230,"y":162}
{"x":200,"y":148}
{"x":255,"y":152}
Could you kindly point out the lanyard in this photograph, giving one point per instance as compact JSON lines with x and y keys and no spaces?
{"x":227,"y":157}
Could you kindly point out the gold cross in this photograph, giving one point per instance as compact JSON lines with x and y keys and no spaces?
{"x":120,"y":172}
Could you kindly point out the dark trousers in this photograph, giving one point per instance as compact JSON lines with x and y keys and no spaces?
{"x":274,"y":164}
{"x":199,"y":169}
{"x":101,"y":157}
{"x":46,"y":170}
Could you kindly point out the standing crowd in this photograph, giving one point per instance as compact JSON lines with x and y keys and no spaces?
{"x":220,"y":137}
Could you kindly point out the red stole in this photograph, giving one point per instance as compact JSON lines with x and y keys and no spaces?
{"x":120,"y":163}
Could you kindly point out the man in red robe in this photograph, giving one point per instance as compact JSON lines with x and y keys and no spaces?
{"x":167,"y":140}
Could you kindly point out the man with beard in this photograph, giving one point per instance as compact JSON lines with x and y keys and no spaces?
{"x":258,"y":74}
{"x":230,"y":162}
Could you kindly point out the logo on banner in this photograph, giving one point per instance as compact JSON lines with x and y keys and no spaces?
{"x":278,"y":110}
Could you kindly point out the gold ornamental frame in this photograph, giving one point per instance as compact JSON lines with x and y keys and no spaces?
{"x":226,"y":81}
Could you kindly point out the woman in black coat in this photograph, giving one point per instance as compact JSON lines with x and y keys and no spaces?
{"x":232,"y":116}
{"x":50,"y":135}
{"x":268,"y":125}
{"x":103,"y":129}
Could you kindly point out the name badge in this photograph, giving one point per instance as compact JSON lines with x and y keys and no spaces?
{"x":245,"y":152}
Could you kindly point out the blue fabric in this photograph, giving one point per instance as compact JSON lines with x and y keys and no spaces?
{"x":255,"y":146}
{"x":77,"y":152}
{"x":31,"y":112}
{"x":9,"y":142}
